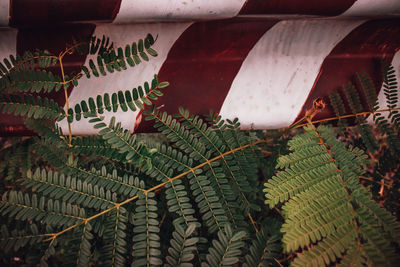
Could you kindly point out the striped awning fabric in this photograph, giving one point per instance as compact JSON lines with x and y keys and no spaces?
{"x":261,"y":61}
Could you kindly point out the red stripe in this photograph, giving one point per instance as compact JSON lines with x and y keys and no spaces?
{"x":361,"y":50}
{"x":43,"y":12}
{"x":302,"y":7}
{"x":203,"y":62}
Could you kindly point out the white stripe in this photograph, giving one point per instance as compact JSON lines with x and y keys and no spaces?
{"x":374,"y":8}
{"x":8,"y":42}
{"x":277,"y":75}
{"x":381,"y":96}
{"x":121,"y":35}
{"x":4,"y":12}
{"x":161,"y":10}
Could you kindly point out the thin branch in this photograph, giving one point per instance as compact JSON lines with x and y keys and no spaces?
{"x":347,"y":116}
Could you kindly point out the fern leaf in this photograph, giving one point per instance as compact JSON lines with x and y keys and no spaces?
{"x":70,"y":189}
{"x":24,"y":207}
{"x":110,"y":59}
{"x":46,"y":129}
{"x":50,"y":251}
{"x":166,"y":161}
{"x":377,"y":247}
{"x":122,"y":140}
{"x":30,"y":107}
{"x":390,"y":88}
{"x":95,"y":145}
{"x":19,"y":67}
{"x":326,"y":208}
{"x":233,"y":138}
{"x":338,"y":107}
{"x":125,"y":185}
{"x":113,"y":252}
{"x":213,"y":143}
{"x":213,"y":173}
{"x":368,"y":88}
{"x":182,"y":247}
{"x":135,"y":99}
{"x":227,"y":249}
{"x":146,"y":240}
{"x":373,"y":214}
{"x":327,"y":250}
{"x":364,"y":128}
{"x":265,"y":248}
{"x":34,"y":81}
{"x":92,"y":45}
{"x":80,"y":247}
{"x":354,"y":257}
{"x":18,"y":239}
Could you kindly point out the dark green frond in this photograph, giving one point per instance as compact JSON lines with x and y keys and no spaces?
{"x":47,"y":129}
{"x":128,"y":100}
{"x":377,"y":247}
{"x":30,"y":106}
{"x":338,"y":107}
{"x":324,"y":203}
{"x":225,"y":250}
{"x":17,"y":239}
{"x":217,"y":145}
{"x":95,"y":145}
{"x":354,"y":257}
{"x":111,"y":59}
{"x":25,"y":207}
{"x":353,"y":98}
{"x":70,"y":189}
{"x":181,"y":250}
{"x":34,"y":81}
{"x":213,"y":173}
{"x":164,"y":163}
{"x":18,"y":69}
{"x":125,"y":185}
{"x":373,"y":214}
{"x":122,"y":140}
{"x":92,"y":45}
{"x":50,"y":251}
{"x":265,"y":247}
{"x":80,"y":253}
{"x":114,"y":250}
{"x":390,"y":87}
{"x":368,"y":88}
{"x":146,"y":239}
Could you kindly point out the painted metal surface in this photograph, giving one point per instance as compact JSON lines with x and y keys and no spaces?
{"x":265,"y":65}
{"x":26,"y":13}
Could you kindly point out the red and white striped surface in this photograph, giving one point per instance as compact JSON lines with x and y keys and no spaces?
{"x":259,"y":66}
{"x":40,"y":12}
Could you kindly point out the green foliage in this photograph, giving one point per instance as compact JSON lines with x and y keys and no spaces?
{"x":19,"y":73}
{"x":146,"y":239}
{"x":386,"y":146}
{"x":265,"y":248}
{"x":30,"y":207}
{"x":110,"y":59}
{"x":134,"y":100}
{"x":391,"y":93}
{"x":325,"y":205}
{"x":182,"y":248}
{"x":191,"y":195}
{"x":113,"y":251}
{"x":225,"y":250}
{"x":30,"y":106}
{"x":70,"y":189}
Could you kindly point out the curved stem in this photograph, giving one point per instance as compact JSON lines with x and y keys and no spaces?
{"x":346,"y":116}
{"x":66,"y":98}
